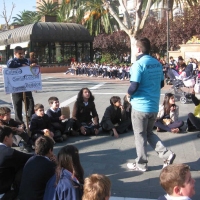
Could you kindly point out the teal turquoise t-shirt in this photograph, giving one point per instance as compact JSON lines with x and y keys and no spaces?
{"x":148,"y":72}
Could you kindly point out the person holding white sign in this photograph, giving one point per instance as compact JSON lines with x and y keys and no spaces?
{"x":17,"y":98}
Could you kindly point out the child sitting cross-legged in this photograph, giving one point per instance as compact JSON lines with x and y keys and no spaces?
{"x":112,"y":119}
{"x":177,"y":182}
{"x":56,"y":117}
{"x":41,"y":125}
{"x":17,"y":128}
{"x":167,"y":118}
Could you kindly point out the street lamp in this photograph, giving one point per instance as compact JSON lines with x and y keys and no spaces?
{"x":168,"y":36}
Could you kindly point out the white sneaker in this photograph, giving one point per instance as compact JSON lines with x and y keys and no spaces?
{"x":133,"y":166}
{"x":169,"y":160}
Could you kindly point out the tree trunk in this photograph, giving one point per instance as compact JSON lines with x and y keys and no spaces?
{"x":133,"y":43}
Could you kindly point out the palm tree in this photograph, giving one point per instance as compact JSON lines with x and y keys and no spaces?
{"x":47,"y":8}
{"x":67,"y":11}
{"x":93,"y":16}
{"x":26,"y":17}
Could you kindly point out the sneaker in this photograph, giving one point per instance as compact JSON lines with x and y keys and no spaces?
{"x":191,"y":129}
{"x":64,"y":136}
{"x":169,"y":160}
{"x":59,"y":139}
{"x":133,"y":166}
{"x":111,"y":133}
{"x":27,"y":148}
{"x":74,"y":133}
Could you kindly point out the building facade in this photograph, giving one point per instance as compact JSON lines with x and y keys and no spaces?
{"x":54,"y":43}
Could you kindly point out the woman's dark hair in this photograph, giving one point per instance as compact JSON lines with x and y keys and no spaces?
{"x":126,"y":102}
{"x":114,"y":99}
{"x":68,"y":158}
{"x":80,"y":100}
{"x":166,"y":104}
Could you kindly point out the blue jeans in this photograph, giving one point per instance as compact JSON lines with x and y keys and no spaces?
{"x":143,"y":130}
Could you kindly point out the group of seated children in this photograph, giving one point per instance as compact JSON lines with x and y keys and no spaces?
{"x":85,"y":120}
{"x":44,"y":176}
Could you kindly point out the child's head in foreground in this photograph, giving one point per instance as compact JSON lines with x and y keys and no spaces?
{"x":54,"y":103}
{"x":96,"y":187}
{"x":5,"y":113}
{"x":176,"y":180}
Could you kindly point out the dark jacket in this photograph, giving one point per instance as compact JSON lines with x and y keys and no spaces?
{"x":11,"y":161}
{"x":68,"y":188}
{"x":12,"y":124}
{"x":195,"y":100}
{"x":36,"y":173}
{"x":54,"y":115}
{"x":15,"y":62}
{"x":112,"y":115}
{"x":84,"y":113}
{"x":189,"y":70}
{"x":38,"y":124}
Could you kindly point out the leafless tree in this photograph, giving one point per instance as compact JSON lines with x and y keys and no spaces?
{"x":4,"y":14}
{"x":132,"y":28}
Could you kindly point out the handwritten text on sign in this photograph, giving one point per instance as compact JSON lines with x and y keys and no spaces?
{"x":22,"y":79}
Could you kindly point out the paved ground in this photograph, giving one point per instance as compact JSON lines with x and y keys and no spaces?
{"x":107,"y":155}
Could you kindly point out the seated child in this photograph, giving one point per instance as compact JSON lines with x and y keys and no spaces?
{"x":40,"y":125}
{"x":96,"y":187}
{"x":193,"y":120}
{"x":112,"y":118}
{"x":176,"y":180}
{"x":167,"y":118}
{"x":67,"y":182}
{"x":55,"y":116}
{"x":17,"y":128}
{"x":126,"y":111}
{"x":84,"y":114}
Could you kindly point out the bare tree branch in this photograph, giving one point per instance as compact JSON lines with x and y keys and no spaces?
{"x":127,"y":20}
{"x":146,"y":13}
{"x":107,"y":6}
{"x":13,"y":6}
{"x":138,"y":15}
{"x":4,"y":14}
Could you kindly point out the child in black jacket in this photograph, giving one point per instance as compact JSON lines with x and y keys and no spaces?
{"x":112,"y":118}
{"x":17,"y":128}
{"x":193,"y":120}
{"x":41,"y":125}
{"x":56,"y":117}
{"x":84,"y":113}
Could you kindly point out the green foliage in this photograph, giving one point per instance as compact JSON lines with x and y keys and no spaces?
{"x":109,"y":58}
{"x":94,"y":17}
{"x":47,"y":8}
{"x":106,"y":57}
{"x":26,"y":17}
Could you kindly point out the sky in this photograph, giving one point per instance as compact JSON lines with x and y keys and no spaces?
{"x":20,"y":5}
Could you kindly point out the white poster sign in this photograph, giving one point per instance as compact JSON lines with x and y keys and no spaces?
{"x":1,"y":68}
{"x":22,"y":79}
